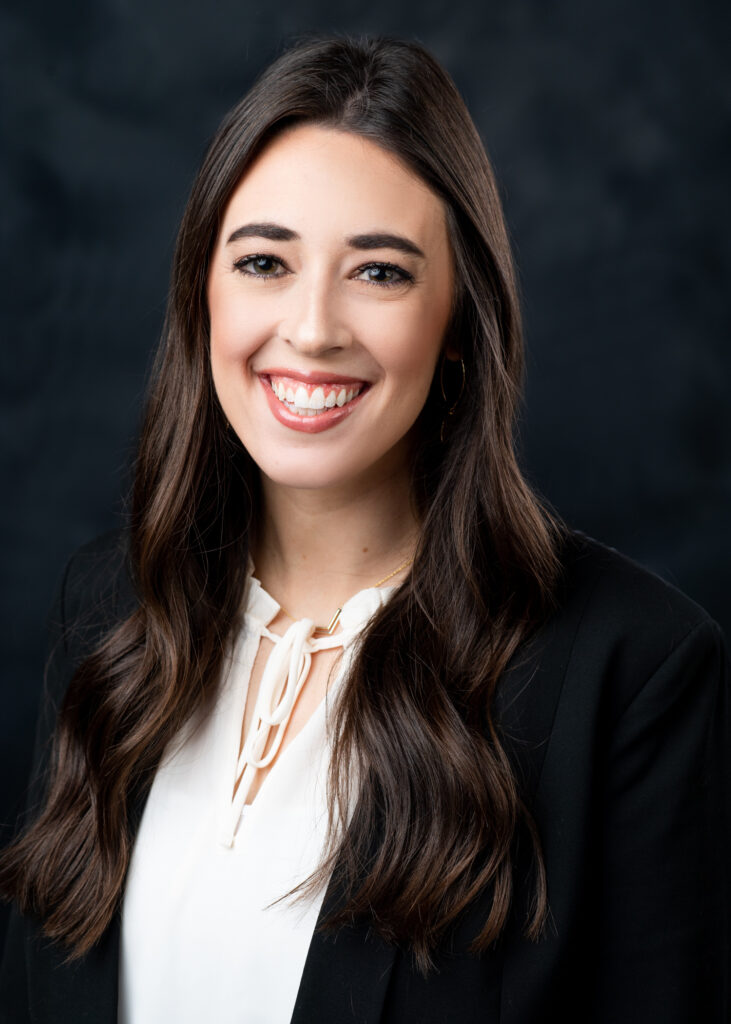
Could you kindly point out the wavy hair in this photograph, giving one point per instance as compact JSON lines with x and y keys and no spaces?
{"x":439,"y":807}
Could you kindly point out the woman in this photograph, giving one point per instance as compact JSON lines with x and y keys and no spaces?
{"x":349,"y":726}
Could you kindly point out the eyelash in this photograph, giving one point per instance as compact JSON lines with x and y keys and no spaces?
{"x":405,"y":276}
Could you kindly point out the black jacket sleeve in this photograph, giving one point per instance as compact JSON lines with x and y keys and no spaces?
{"x":663,"y":903}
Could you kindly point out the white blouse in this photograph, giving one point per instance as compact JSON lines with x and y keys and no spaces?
{"x":199,"y":939}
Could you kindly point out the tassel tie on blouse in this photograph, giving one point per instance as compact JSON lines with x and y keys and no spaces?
{"x":285,"y":673}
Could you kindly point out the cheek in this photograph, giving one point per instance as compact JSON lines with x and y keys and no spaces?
{"x":407,"y":346}
{"x":235,"y":332}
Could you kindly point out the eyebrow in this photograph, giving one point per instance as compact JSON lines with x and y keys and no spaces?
{"x":371,"y":240}
{"x":385,"y":240}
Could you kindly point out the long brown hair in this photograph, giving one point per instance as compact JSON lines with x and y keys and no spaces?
{"x":437,"y":790}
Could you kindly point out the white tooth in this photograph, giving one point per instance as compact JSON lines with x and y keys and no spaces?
{"x":281,"y":391}
{"x":317,"y":399}
{"x":330,"y":400}
{"x":289,"y":394}
{"x":341,"y":399}
{"x":301,"y":398}
{"x":349,"y":395}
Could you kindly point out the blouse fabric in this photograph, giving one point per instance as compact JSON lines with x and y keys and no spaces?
{"x":202,"y":938}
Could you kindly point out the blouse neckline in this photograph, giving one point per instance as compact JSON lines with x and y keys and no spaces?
{"x":262,"y":608}
{"x":285,"y":673}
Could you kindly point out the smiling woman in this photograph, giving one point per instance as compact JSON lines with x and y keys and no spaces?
{"x":347,"y":726}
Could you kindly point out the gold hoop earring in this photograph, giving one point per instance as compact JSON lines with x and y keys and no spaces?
{"x":450,"y":410}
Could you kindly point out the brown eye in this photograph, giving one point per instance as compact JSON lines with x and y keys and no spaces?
{"x":258,"y":266}
{"x":384,"y":274}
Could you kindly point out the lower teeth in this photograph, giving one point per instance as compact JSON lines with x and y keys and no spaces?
{"x":299,"y":411}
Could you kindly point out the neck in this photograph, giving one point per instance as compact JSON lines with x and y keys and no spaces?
{"x":316,"y":548}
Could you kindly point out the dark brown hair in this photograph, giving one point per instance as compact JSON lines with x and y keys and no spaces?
{"x":439,"y":807}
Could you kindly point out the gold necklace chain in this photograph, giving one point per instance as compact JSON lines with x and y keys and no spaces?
{"x":330,"y":628}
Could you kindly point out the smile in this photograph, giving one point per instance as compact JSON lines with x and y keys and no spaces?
{"x":311,"y":403}
{"x":306,"y":399}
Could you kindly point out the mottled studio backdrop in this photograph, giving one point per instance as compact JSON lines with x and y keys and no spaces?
{"x":609,"y":126}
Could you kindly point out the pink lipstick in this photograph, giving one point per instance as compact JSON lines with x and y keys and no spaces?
{"x":311,"y":402}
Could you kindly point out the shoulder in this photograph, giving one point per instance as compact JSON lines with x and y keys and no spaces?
{"x":619,"y":588}
{"x":94,"y":594}
{"x":96,"y":591}
{"x":626,"y":621}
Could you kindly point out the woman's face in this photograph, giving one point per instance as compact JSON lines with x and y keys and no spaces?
{"x":329,"y":293}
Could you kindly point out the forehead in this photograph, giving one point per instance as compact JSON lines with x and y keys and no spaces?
{"x":322,"y":177}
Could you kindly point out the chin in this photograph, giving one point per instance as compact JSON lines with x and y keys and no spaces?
{"x":304,"y":474}
{"x":356,"y":464}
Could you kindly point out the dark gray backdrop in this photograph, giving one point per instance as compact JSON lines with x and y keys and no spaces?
{"x":609,"y":127}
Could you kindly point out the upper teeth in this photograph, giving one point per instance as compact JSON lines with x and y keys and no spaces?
{"x":300,"y":398}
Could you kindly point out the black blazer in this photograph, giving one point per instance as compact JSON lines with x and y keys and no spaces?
{"x":616,"y":717}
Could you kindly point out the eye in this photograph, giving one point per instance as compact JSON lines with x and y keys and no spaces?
{"x":259,"y":265}
{"x":386,"y":275}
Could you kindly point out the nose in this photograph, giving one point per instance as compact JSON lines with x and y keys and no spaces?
{"x":314,"y":323}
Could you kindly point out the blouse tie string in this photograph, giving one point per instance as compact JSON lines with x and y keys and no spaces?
{"x":285,"y":673}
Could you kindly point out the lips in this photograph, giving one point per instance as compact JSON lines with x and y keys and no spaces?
{"x":311,"y":402}
{"x":309,"y":376}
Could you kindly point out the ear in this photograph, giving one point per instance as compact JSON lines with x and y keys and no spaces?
{"x":451,"y":353}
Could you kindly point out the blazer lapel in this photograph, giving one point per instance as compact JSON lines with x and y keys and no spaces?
{"x":345,"y":975}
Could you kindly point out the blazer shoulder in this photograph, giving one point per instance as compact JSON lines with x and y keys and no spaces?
{"x":624,"y":591}
{"x":96,"y":591}
{"x":627,"y":619}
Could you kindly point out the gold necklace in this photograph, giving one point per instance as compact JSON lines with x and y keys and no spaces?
{"x":330,"y":628}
